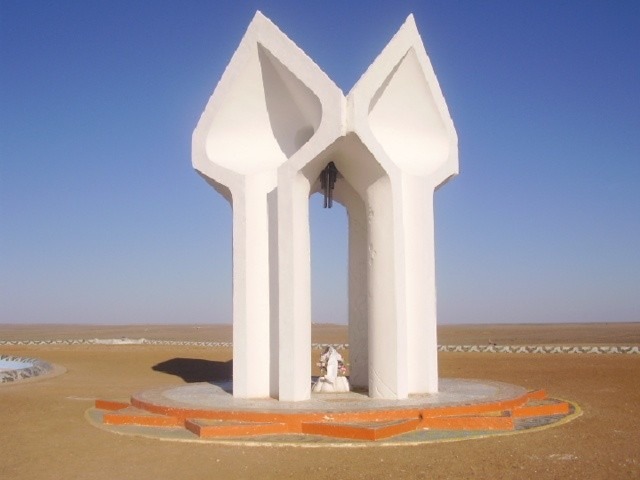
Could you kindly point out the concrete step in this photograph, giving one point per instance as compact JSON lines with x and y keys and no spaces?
{"x":135,"y":416}
{"x":206,"y":428}
{"x":375,"y":430}
{"x":489,"y":421}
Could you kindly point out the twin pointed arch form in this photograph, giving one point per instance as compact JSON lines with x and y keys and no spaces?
{"x":398,"y":110}
{"x":274,"y":121}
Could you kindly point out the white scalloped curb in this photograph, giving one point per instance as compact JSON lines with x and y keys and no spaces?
{"x":538,"y":349}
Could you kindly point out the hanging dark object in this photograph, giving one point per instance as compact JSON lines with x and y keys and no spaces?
{"x":328,"y":178}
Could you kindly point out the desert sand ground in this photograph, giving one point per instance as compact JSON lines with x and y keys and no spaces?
{"x":44,"y":434}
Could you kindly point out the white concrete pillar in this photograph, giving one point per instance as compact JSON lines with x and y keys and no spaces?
{"x":251,"y":304}
{"x":387,"y":325}
{"x":420,"y":288}
{"x":358,"y":289}
{"x":294,"y":289}
{"x":274,"y":319}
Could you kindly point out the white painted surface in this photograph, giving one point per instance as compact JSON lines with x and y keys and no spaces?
{"x":274,"y":121}
{"x":339,"y":385}
{"x":14,"y":365}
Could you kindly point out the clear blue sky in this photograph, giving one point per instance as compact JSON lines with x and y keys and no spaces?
{"x":103,"y":220}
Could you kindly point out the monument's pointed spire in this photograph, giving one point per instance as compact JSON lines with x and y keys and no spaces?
{"x":266,"y":67}
{"x":399,"y":112}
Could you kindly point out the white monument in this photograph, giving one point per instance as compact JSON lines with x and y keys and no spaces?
{"x":274,"y":123}
{"x":333,"y":367}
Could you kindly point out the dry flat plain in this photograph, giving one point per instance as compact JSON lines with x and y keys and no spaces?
{"x":44,"y":434}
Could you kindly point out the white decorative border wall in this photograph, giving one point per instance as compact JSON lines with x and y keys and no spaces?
{"x":600,"y":349}
{"x":35,"y":368}
{"x":539,"y":349}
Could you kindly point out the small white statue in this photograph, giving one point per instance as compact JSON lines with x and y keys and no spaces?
{"x":333,"y":380}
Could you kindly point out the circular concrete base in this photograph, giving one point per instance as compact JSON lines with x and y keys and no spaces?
{"x":218,"y":397}
{"x":462,"y":409}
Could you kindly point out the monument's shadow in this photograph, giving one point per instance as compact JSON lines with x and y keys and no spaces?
{"x":194,"y":370}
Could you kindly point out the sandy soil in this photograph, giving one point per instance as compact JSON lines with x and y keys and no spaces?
{"x":44,"y":434}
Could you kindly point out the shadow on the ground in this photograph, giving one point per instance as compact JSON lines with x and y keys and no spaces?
{"x":193,"y":370}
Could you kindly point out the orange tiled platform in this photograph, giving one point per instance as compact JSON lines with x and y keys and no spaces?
{"x":210,"y":411}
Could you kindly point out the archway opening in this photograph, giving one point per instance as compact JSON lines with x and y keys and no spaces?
{"x":329,"y":262}
{"x":329,"y":245}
